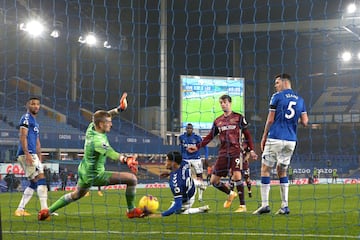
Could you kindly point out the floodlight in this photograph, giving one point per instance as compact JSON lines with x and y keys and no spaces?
{"x":346,"y":56}
{"x":351,"y":8}
{"x":33,"y":27}
{"x":90,"y":39}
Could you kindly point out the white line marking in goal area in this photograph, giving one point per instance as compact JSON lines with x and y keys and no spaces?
{"x":189,"y":233}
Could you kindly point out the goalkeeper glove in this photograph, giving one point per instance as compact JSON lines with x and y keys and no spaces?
{"x":132,"y":163}
{"x":123,"y":103}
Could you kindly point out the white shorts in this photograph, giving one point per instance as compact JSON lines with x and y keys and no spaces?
{"x":196,"y":164}
{"x":31,"y":171}
{"x":186,"y":205}
{"x":277,"y":152}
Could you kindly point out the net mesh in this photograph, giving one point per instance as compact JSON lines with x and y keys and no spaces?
{"x":142,"y":48}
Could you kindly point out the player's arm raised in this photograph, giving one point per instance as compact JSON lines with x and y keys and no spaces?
{"x":122,"y":106}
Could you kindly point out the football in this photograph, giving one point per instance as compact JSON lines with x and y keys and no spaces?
{"x":149,"y":203}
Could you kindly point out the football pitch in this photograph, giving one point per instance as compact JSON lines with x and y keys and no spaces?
{"x":206,"y":109}
{"x":327,"y":211}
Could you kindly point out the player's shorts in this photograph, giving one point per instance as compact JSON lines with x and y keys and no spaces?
{"x":185,"y":205}
{"x":277,"y":152}
{"x":101,"y":179}
{"x":223,"y":164}
{"x":196,"y":164}
{"x":33,"y":170}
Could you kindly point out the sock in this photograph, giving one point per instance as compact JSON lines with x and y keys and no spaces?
{"x":284,"y":191}
{"x":221,"y":186}
{"x":192,"y":210}
{"x":200,"y":187}
{"x":27,"y":195}
{"x":248,"y":184}
{"x":200,"y":193}
{"x":240,"y":189}
{"x":130,"y":196}
{"x":42,"y":193}
{"x":61,"y":202}
{"x":265,"y":189}
{"x":197,"y":183}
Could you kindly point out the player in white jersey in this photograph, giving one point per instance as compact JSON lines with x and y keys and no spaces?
{"x":279,"y":139}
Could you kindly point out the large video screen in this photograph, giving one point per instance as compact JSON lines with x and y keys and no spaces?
{"x":200,"y":99}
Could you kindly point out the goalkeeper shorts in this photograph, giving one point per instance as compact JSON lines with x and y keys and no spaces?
{"x":87,"y":180}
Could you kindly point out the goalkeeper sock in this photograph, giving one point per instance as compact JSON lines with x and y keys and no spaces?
{"x":61,"y":202}
{"x":130,"y":196}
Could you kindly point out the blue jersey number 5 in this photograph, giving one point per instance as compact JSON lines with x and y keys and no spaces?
{"x":291,"y":110}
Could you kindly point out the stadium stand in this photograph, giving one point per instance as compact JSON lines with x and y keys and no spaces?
{"x":70,"y":119}
{"x":154,"y":168}
{"x":48,"y":124}
{"x":337,"y":100}
{"x":4,"y":125}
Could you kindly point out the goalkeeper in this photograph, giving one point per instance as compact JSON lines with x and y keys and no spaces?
{"x":91,"y":170}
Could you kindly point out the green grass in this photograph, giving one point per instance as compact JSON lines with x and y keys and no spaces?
{"x":317,"y":212}
{"x":207,"y":109}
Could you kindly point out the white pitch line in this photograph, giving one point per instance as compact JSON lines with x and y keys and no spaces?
{"x":190,"y":233}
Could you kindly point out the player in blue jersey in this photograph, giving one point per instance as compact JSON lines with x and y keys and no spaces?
{"x":189,"y":138}
{"x":279,"y":139}
{"x":182,"y":187}
{"x":29,"y":157}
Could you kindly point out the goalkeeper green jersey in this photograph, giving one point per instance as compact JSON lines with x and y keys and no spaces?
{"x":96,"y":150}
